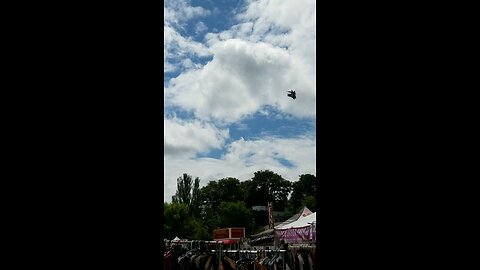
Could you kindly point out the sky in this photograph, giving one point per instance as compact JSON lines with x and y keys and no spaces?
{"x":228,"y":65}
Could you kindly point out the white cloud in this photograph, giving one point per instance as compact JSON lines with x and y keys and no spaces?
{"x":187,"y":138}
{"x":243,"y":77}
{"x":177,"y":47}
{"x":270,"y":50}
{"x":285,"y":23}
{"x":200,"y":27}
{"x":177,"y":12}
{"x":242,"y":159}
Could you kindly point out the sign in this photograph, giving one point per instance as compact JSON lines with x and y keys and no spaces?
{"x":270,"y":216}
{"x":237,"y":232}
{"x":259,"y":208}
{"x":221,"y":234}
{"x":229,"y":233}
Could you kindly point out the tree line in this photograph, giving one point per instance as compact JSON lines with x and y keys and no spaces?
{"x":195,"y":212}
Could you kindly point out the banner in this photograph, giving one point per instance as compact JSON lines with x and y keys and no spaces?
{"x":294,"y":235}
{"x":270,"y":216}
{"x":314,"y":232}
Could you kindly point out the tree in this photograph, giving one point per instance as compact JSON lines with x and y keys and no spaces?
{"x":310,"y":202}
{"x":175,"y":219}
{"x":267,"y":186}
{"x":234,"y":214}
{"x":246,"y":187}
{"x":215,"y":192}
{"x":188,"y":194}
{"x":229,"y":190}
{"x":179,"y":223}
{"x":209,"y":201}
{"x":209,"y":196}
{"x":202,"y":232}
{"x":196,"y":230}
{"x":304,"y":187}
{"x":225,"y":190}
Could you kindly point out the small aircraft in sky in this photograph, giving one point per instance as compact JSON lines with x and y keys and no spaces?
{"x":292,"y":94}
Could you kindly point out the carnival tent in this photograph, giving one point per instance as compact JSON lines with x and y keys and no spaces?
{"x":301,"y":222}
{"x":301,"y":231}
{"x":266,"y":237}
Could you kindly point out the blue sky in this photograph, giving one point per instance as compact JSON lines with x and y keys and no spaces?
{"x":227,"y":67}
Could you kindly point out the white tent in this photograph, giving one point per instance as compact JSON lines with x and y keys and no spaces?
{"x":267,"y":235}
{"x":302,"y":221}
{"x":301,"y":231}
{"x":303,"y":213}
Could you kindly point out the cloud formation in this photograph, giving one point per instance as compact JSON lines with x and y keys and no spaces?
{"x":243,"y":158}
{"x":219,"y":79}
{"x":178,"y":48}
{"x":187,"y":138}
{"x":241,"y":78}
{"x":254,"y":64}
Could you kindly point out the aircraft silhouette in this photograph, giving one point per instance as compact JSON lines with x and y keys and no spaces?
{"x":292,"y":94}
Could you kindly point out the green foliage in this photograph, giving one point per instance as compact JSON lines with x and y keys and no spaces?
{"x":267,"y":186}
{"x":175,"y":217}
{"x":224,"y":190}
{"x":195,"y":201}
{"x":194,"y":213}
{"x":188,"y":193}
{"x":209,"y":195}
{"x":234,"y":214}
{"x":179,"y":223}
{"x":202,"y":232}
{"x":305,"y":186}
{"x":184,"y":188}
{"x":310,"y":202}
{"x":196,"y":230}
{"x":229,"y":190}
{"x":246,"y":187}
